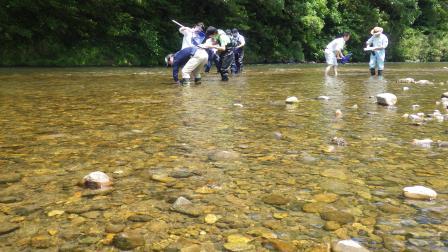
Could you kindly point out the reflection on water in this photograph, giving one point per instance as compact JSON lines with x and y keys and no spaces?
{"x":249,"y":164}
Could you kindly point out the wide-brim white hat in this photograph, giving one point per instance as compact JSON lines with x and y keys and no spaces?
{"x":376,"y":30}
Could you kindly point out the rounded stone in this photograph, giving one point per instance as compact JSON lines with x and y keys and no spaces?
{"x":338,"y":216}
{"x":128,"y":241}
{"x":275,"y":199}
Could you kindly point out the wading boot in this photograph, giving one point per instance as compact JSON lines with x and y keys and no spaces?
{"x":372,"y":71}
{"x":197,"y":81}
{"x":225,"y":77}
{"x":185,"y":82}
{"x":380,"y":72}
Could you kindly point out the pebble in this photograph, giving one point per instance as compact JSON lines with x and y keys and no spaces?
{"x":162,"y":178}
{"x":210,"y":219}
{"x":114,"y":228}
{"x":6,"y":228}
{"x":140,"y":218}
{"x":224,"y":155}
{"x":128,"y":241}
{"x":323,"y":97}
{"x":275,"y":199}
{"x":279,"y":245}
{"x":419,"y":192}
{"x":184,"y":206}
{"x":405,"y":88}
{"x":338,"y":216}
{"x":55,"y":212}
{"x":10,"y":178}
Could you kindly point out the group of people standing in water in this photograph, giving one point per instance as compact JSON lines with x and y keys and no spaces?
{"x":226,"y":50}
{"x":201,"y":49}
{"x":375,"y":45}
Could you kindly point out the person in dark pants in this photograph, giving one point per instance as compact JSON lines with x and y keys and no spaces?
{"x":238,"y":51}
{"x":225,"y":50}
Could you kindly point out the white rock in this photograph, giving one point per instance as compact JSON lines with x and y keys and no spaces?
{"x":425,"y":143}
{"x":415,"y":106}
{"x":348,"y":246}
{"x":292,"y":99}
{"x":406,"y":80}
{"x":386,"y":99}
{"x":405,"y":115}
{"x":445,"y":95}
{"x":323,"y":97}
{"x":415,"y":117}
{"x":424,"y":82}
{"x":419,"y":192}
{"x":238,"y":105}
{"x":405,"y":88}
{"x":97,"y":180}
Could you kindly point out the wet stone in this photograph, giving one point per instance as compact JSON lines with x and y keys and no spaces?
{"x":181,"y":174}
{"x":114,"y":228}
{"x":10,"y":199}
{"x":184,"y":206}
{"x":41,"y":242}
{"x":6,"y":228}
{"x":338,"y":216}
{"x":140,"y":218}
{"x":275,"y":199}
{"x":224,"y":156}
{"x":128,"y":241}
{"x":10,"y":178}
{"x":27,"y":210}
{"x":279,"y":245}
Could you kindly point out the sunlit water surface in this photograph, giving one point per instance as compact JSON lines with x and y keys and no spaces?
{"x":281,"y":179}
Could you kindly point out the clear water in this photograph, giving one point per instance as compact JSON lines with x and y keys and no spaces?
{"x":57,"y":125}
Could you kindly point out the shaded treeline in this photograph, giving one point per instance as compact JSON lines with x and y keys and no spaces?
{"x":139,"y":32}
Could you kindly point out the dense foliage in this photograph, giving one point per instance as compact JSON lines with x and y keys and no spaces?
{"x":139,"y":32}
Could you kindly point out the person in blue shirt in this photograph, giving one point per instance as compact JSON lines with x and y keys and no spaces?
{"x":191,"y":59}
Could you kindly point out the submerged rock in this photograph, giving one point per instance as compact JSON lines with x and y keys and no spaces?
{"x":184,"y":206}
{"x":425,"y":143}
{"x":338,"y":216}
{"x":10,"y":178}
{"x":275,"y":199}
{"x":128,"y":241}
{"x":291,"y":100}
{"x":348,"y":246}
{"x":6,"y":228}
{"x":97,"y":180}
{"x":386,"y":99}
{"x":406,"y":80}
{"x":224,"y":156}
{"x":339,"y":141}
{"x":419,"y":192}
{"x":424,"y":82}
{"x":323,"y":97}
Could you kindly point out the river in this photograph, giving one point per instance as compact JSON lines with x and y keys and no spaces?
{"x":259,"y":174}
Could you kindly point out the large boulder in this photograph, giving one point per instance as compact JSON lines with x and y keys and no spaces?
{"x":386,"y":99}
{"x":419,"y":192}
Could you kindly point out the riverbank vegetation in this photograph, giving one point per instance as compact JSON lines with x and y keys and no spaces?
{"x":140,"y":33}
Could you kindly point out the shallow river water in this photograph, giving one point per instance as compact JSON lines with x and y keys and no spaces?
{"x":260,"y":175}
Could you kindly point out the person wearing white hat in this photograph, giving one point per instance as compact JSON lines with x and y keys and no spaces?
{"x":377,"y":45}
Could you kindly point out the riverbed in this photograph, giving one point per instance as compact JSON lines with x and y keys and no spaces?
{"x":258,"y":174}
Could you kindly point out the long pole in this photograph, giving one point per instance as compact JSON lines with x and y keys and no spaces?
{"x":179,"y":24}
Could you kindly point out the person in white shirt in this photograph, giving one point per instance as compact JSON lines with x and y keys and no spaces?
{"x":238,"y":51}
{"x":377,"y":43}
{"x":333,"y":52}
{"x":192,"y":36}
